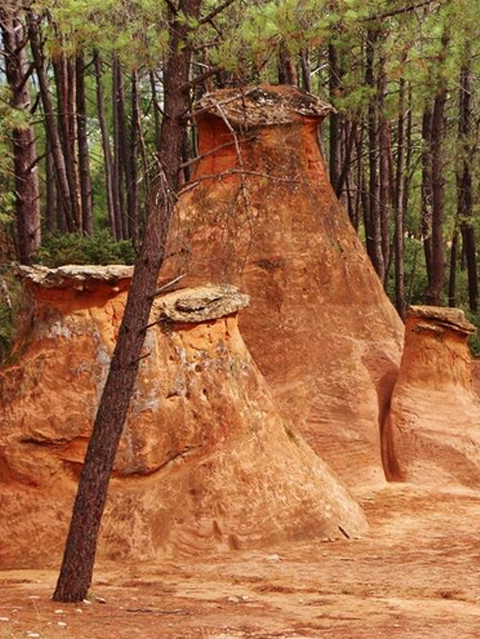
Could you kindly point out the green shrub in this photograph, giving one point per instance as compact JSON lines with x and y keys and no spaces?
{"x":74,"y":248}
{"x":474,"y":340}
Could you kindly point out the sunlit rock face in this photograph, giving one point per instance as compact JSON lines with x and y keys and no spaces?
{"x":260,"y":213}
{"x":206,"y":462}
{"x":432,"y":435}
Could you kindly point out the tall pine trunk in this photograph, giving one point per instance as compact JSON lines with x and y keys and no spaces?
{"x":27,"y":193}
{"x":64,"y":94}
{"x":437,"y":265}
{"x":375,"y":220}
{"x":334,"y":87}
{"x":287,"y":72}
{"x":464,"y":181}
{"x":132,"y":161}
{"x":426,"y":210}
{"x":119,"y":139}
{"x":77,"y":566}
{"x":50,"y":192}
{"x":399,"y":205}
{"x":385,"y":164}
{"x":67,"y":217}
{"x":82,"y":143}
{"x":107,"y":151}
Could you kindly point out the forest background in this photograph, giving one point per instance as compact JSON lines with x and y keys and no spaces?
{"x":81,"y":107}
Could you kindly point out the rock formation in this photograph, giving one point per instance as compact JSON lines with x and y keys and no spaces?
{"x":206,"y":463}
{"x":260,"y":213}
{"x":432,"y":434}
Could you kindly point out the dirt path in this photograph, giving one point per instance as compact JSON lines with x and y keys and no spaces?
{"x":416,"y":576}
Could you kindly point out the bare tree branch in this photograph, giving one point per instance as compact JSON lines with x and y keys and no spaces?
{"x":216,"y":11}
{"x":407,"y":9}
{"x":200,"y":78}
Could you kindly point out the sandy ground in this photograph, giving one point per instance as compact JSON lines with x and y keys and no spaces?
{"x":416,"y":575}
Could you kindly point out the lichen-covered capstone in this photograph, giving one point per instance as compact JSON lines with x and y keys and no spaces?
{"x":201,"y":304}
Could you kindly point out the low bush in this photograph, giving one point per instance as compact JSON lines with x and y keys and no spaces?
{"x":74,"y":248}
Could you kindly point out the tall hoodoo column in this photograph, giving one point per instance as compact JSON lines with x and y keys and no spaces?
{"x":432,"y":435}
{"x":260,"y":213}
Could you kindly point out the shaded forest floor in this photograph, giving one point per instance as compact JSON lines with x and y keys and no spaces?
{"x":416,"y":575}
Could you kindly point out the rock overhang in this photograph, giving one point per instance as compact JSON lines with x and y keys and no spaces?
{"x":75,"y":276}
{"x":441,"y":318}
{"x":201,"y":304}
{"x":262,"y":106}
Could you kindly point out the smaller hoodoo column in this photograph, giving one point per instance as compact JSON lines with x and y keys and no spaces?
{"x":432,"y":434}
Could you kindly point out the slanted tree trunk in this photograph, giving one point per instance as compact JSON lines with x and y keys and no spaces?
{"x":77,"y":566}
{"x":27,"y":193}
{"x":67,"y":219}
{"x":82,"y":143}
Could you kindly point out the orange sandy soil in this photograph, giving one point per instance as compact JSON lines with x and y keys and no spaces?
{"x":416,"y":575}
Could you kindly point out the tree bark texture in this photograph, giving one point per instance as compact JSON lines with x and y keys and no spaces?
{"x":287,"y":73}
{"x":399,"y":205}
{"x":118,"y":173}
{"x":375,"y":222}
{"x":132,"y":161}
{"x":64,"y":92}
{"x":334,"y":87}
{"x":27,"y":192}
{"x":426,"y":222}
{"x":63,"y":188}
{"x":464,"y":182}
{"x":107,"y":151}
{"x":437,"y":273}
{"x":384,"y":152}
{"x":82,"y":144}
{"x":50,"y":191}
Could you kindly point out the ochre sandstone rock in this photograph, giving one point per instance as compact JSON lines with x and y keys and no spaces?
{"x":206,"y":463}
{"x":432,"y":434}
{"x":260,"y":213}
{"x":476,"y":376}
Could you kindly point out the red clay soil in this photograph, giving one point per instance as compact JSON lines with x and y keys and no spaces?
{"x":415,"y":576}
